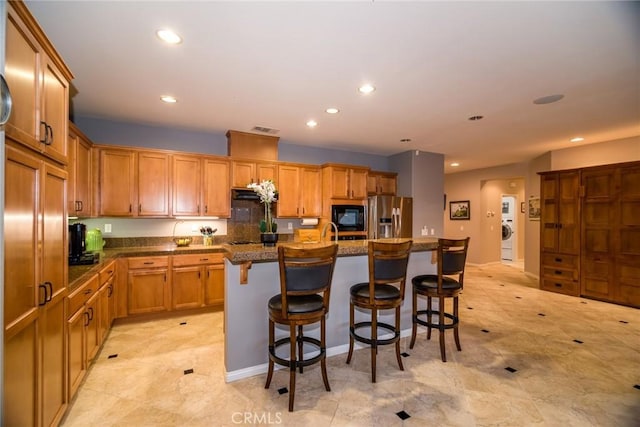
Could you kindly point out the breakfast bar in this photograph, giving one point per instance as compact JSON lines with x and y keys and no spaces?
{"x":246,"y":319}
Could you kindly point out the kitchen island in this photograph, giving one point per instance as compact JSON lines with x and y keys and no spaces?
{"x":251,"y":277}
{"x":246,"y":318}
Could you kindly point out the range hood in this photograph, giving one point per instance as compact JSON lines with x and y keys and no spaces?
{"x":241,"y":194}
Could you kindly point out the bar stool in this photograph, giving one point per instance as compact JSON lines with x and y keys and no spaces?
{"x":385,"y":290}
{"x":452,"y":256}
{"x":305,"y":286}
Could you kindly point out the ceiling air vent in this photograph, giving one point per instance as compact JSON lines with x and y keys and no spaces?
{"x":265,"y":130}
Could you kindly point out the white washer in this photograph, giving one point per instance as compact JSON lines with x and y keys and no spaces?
{"x":508,"y":210}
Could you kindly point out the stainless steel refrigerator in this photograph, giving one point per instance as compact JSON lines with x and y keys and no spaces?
{"x":390,"y":216}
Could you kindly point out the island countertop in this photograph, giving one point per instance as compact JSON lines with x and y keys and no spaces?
{"x":236,"y":254}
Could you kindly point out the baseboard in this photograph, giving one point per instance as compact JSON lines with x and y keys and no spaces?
{"x":252,"y":371}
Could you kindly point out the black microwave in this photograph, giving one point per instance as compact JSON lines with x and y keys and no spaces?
{"x":348,"y":217}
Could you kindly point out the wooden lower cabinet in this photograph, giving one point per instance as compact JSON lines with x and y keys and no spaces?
{"x":197,"y":280}
{"x":148,"y":286}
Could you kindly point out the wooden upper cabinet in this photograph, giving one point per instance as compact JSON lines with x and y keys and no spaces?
{"x":299,"y":191}
{"x":79,"y":188}
{"x":133,"y":183}
{"x":153,"y":183}
{"x":39,"y":83}
{"x":200,"y":186}
{"x":216,"y":194}
{"x":187,"y":185}
{"x":344,"y":182}
{"x":383,"y":183}
{"x":245,"y":172}
{"x":117,"y":182}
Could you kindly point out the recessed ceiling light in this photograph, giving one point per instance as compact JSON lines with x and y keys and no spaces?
{"x":454,"y":164}
{"x":332,"y":110}
{"x":548,"y":99}
{"x":168,"y":99}
{"x":577,"y":139}
{"x":312,"y":123}
{"x":405,"y":140}
{"x":366,"y":88}
{"x":169,"y":36}
{"x":476,"y":118}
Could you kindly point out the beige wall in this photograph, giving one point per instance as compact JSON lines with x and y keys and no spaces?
{"x":484,"y":189}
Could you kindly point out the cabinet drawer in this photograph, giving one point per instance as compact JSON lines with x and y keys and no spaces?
{"x":148,"y":262}
{"x":561,"y":286}
{"x":107,"y":272}
{"x":559,"y":273}
{"x":197,"y":259}
{"x":560,"y":260}
{"x":81,"y":295}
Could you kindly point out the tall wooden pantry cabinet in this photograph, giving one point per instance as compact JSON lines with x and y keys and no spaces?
{"x":35,"y":223}
{"x":590,"y":232}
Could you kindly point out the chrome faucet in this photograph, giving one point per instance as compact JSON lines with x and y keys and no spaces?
{"x":324,"y":231}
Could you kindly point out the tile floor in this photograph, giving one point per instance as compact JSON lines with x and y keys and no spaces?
{"x":528,"y":358}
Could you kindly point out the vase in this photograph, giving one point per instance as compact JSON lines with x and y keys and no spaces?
{"x":269,"y":239}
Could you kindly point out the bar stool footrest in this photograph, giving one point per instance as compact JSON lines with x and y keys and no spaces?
{"x":298,"y":363}
{"x":428,"y":323}
{"x":360,"y":338}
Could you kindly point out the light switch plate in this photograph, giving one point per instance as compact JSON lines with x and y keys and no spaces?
{"x":107,"y":228}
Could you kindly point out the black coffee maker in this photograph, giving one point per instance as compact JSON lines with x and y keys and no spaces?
{"x":77,"y":255}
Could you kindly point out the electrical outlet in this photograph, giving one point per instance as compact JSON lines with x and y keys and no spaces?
{"x":433,"y":231}
{"x":107,"y":228}
{"x":425,"y":232}
{"x":290,"y":226}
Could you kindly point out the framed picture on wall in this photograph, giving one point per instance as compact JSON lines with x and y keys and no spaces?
{"x":522,"y":208}
{"x":534,"y":208}
{"x":460,"y":210}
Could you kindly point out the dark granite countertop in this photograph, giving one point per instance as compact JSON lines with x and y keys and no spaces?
{"x":236,"y":254}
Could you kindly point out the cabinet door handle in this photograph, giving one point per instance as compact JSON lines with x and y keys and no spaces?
{"x":50,"y":133}
{"x":44,"y":300}
{"x":198,"y":274}
{"x":87,"y":292}
{"x":558,"y":285}
{"x":148,"y":263}
{"x":558,"y":259}
{"x":140,"y":208}
{"x":50,"y":286}
{"x":86,"y":319}
{"x":110,"y":289}
{"x":129,"y":207}
{"x":204,"y":259}
{"x":90,"y":313}
{"x":44,"y":134}
{"x":206,"y":209}
{"x":558,"y":272}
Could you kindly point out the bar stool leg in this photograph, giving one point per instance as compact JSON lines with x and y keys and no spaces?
{"x":300,"y":346}
{"x":398,"y":342}
{"x":414,"y":318}
{"x":292,"y":365}
{"x":351,"y":323}
{"x":323,"y":348}
{"x":455,"y":328}
{"x":374,"y":343}
{"x":429,"y":311}
{"x":441,"y":327}
{"x":271,"y":350}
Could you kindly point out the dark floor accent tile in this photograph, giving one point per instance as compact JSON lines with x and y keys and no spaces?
{"x":403,"y":415}
{"x":111,"y":356}
{"x":637,"y":386}
{"x":624,"y":321}
{"x":188,"y":371}
{"x":283,"y":390}
{"x":183,"y":323}
{"x":502,"y":284}
{"x":405,"y":354}
{"x":583,"y":302}
{"x":486,"y":331}
{"x":541,"y":314}
{"x":469,"y":308}
{"x":510,"y":369}
{"x":519,"y":297}
{"x":578,"y":341}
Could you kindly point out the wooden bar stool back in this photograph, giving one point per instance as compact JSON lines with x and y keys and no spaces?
{"x":385,"y":290}
{"x":447,"y":283}
{"x":305,"y":288}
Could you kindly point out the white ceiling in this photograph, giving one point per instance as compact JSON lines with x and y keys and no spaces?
{"x":434,"y":64}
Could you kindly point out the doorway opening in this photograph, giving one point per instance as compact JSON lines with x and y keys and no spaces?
{"x":509,"y":245}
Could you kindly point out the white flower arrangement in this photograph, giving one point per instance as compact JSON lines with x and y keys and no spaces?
{"x":266,"y":190}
